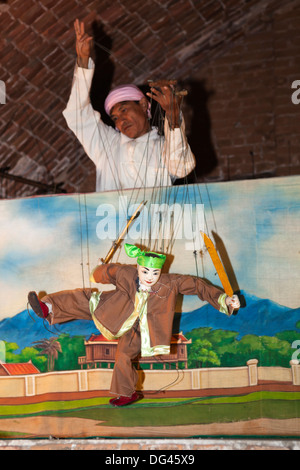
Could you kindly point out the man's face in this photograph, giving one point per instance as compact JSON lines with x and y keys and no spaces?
{"x":131,"y":118}
{"x":148,"y":276}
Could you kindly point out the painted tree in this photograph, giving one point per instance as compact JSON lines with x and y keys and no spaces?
{"x":73,"y":347}
{"x":49,"y":347}
{"x":201,"y":354}
{"x":2,"y":351}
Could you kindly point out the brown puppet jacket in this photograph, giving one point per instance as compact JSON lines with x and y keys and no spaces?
{"x":116,"y":306}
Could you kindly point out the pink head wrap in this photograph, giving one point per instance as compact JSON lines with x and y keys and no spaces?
{"x":123,"y":93}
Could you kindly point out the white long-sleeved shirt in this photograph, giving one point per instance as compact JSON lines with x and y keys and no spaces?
{"x":121,"y":162}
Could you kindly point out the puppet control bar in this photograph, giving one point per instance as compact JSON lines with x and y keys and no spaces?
{"x":171,"y":83}
{"x":53,"y":189}
{"x":117,"y":242}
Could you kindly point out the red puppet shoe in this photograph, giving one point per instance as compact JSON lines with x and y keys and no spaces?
{"x":40,"y":308}
{"x":122,"y":401}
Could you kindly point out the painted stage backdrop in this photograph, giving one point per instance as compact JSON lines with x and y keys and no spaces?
{"x":225,"y":376}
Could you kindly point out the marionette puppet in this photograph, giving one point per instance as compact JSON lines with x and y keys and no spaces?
{"x":139,"y":312}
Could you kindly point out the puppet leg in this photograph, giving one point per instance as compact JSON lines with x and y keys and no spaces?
{"x":125,"y":376}
{"x":64,"y":306}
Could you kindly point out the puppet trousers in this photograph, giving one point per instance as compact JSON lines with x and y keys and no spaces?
{"x":74,"y":305}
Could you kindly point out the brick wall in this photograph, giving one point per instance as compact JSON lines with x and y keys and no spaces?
{"x":246,"y":119}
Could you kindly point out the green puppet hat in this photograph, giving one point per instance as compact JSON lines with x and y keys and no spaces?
{"x":148,"y":259}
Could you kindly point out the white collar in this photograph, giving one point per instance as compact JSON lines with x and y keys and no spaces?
{"x":144,"y":288}
{"x":152,"y":135}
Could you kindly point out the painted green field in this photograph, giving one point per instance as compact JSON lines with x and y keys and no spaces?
{"x":166,"y":411}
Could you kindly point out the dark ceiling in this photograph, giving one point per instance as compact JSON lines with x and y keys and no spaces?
{"x":135,"y":40}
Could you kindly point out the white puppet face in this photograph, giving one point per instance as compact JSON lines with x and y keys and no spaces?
{"x":148,"y":276}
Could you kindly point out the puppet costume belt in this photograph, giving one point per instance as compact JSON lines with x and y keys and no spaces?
{"x":140,"y":312}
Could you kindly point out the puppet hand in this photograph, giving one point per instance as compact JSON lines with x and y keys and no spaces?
{"x":233,"y":303}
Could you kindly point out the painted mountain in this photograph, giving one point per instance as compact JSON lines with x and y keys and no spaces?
{"x":260,"y":317}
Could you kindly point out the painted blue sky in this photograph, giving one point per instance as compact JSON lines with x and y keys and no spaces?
{"x":51,"y":243}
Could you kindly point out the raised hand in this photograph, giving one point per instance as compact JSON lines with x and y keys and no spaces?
{"x":83,"y":44}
